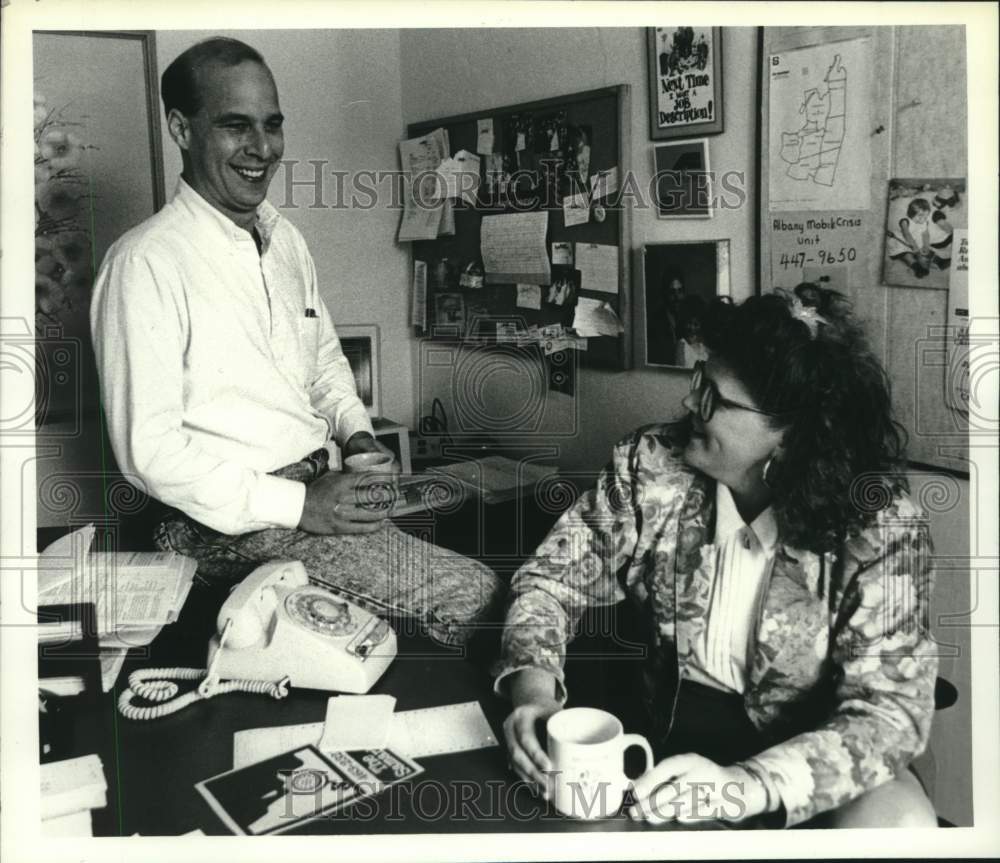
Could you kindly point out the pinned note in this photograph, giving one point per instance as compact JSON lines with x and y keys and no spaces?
{"x":460,"y":176}
{"x":596,"y":318}
{"x":562,"y":254}
{"x":576,"y":210}
{"x":422,"y":219}
{"x":513,"y":248}
{"x":529,"y":296}
{"x":598,"y":266}
{"x":484,"y":138}
{"x":604,"y":183}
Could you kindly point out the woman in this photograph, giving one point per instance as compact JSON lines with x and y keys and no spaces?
{"x":782,"y":575}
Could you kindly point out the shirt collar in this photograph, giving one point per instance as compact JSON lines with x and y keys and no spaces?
{"x":267,"y":216}
{"x":728,"y":521}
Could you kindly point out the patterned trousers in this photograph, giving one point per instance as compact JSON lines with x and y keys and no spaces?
{"x":389,"y":572}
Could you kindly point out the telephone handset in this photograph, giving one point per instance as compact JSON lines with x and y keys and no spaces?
{"x":282,"y":626}
{"x":275,"y":629}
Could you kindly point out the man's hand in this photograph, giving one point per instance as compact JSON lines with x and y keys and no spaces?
{"x":364,"y":442}
{"x":334,"y":505}
{"x":690,"y":788}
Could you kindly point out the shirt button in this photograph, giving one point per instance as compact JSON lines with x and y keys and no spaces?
{"x":746,"y":542}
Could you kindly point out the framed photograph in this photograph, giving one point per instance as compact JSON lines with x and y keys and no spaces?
{"x":361,"y":347}
{"x":683,"y":183}
{"x":922,"y":218}
{"x":685,"y":81}
{"x":680,"y":281}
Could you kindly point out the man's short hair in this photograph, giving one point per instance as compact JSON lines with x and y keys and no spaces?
{"x":179,"y":84}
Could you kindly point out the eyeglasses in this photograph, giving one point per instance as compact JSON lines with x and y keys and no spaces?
{"x":709,"y":397}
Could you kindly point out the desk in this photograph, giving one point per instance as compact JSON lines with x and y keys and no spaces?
{"x":152,"y":767}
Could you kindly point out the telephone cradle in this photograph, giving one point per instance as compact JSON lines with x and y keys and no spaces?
{"x":275,"y":630}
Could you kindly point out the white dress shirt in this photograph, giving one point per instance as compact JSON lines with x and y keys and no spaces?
{"x":744,"y":557}
{"x":218,"y":365}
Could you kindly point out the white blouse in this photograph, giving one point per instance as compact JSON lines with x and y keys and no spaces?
{"x":744,"y":556}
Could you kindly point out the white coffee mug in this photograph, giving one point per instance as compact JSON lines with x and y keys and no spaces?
{"x":366,"y":462}
{"x":587,"y":750}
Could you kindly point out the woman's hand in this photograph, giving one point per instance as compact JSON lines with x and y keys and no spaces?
{"x":533,"y":693}
{"x":689,"y":788}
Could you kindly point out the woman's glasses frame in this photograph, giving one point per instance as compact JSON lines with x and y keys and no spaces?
{"x":709,"y":397}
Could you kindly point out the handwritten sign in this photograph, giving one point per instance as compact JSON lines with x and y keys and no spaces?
{"x":813,"y":242}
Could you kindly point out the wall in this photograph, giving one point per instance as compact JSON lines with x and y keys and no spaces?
{"x":340,"y":93}
{"x":450,"y":72}
{"x":947,"y":764}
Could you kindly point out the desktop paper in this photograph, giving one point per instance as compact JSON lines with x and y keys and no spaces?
{"x":415,"y":733}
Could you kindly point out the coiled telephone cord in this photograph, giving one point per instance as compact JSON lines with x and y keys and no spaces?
{"x":157,"y":684}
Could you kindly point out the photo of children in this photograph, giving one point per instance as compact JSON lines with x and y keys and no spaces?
{"x":681,"y":281}
{"x":922,"y":218}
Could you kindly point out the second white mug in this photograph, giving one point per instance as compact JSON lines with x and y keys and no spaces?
{"x":587,"y":749}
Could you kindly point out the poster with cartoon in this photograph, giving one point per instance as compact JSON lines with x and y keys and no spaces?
{"x":685,"y":81}
{"x":922,"y":217}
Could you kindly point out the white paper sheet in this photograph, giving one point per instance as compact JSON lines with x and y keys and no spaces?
{"x":130,"y":588}
{"x":357,"y":722}
{"x":416,"y":733}
{"x":61,"y":558}
{"x":420,"y":221}
{"x":562,"y":254}
{"x":576,"y":210}
{"x":460,"y":176}
{"x":598,"y":266}
{"x":484,"y":138}
{"x":71,"y":785}
{"x":604,"y":183}
{"x":529,"y":296}
{"x":595,"y":318}
{"x":513,"y":248}
{"x":819,"y":127}
{"x":420,"y":158}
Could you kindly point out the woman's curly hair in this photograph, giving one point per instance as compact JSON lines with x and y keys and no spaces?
{"x":842,"y":454}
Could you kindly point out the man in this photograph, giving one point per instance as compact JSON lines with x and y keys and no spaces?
{"x":222,"y":375}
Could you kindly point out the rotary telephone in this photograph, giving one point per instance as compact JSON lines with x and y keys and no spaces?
{"x":275,"y":630}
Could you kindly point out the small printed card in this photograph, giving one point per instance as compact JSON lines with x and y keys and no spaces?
{"x":357,"y":722}
{"x":287,"y":790}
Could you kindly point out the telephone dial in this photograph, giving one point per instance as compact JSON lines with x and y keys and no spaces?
{"x":276,"y":630}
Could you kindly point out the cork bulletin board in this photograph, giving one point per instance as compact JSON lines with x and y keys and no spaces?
{"x":537,"y":130}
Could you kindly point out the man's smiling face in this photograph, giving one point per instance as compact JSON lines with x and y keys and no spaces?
{"x":235,"y":140}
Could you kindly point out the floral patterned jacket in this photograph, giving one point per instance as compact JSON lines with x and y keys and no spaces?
{"x":841,"y":682}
